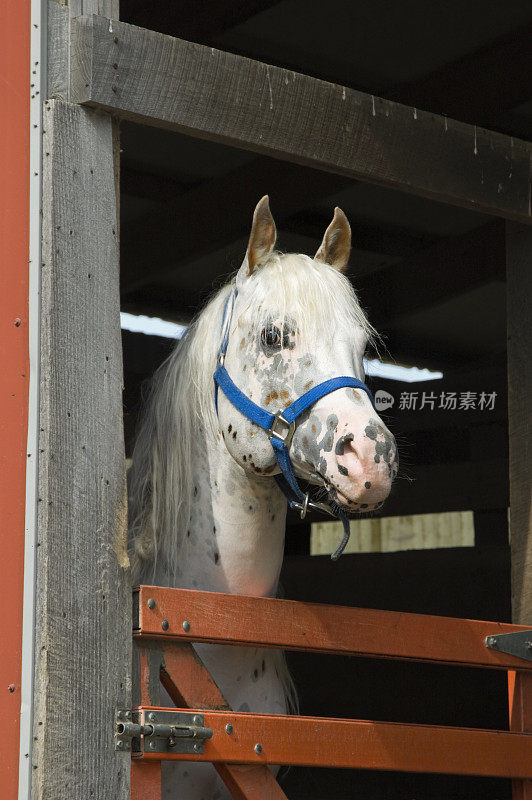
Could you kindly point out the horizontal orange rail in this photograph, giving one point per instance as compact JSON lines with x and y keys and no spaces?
{"x":261,"y":621}
{"x":358,"y":744}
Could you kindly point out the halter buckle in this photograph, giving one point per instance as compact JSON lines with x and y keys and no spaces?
{"x":275,"y":433}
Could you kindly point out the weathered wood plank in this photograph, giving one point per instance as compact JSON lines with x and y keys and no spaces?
{"x":519,"y":303}
{"x":83,"y":647}
{"x":57,"y":30}
{"x":106,"y":8}
{"x":162,"y":81}
{"x":59,"y":13}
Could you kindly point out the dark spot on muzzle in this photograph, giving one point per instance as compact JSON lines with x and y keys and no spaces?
{"x":341,"y":443}
{"x":383,"y":449}
{"x":371,"y":431}
{"x":343,"y":470}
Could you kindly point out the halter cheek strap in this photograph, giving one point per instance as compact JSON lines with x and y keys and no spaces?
{"x":280,"y":427}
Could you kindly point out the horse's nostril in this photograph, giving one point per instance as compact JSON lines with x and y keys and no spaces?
{"x":341,"y":443}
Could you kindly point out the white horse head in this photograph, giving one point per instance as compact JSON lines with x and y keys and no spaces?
{"x":297,"y":322}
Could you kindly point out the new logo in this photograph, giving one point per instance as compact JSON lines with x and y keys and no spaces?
{"x":383,"y":400}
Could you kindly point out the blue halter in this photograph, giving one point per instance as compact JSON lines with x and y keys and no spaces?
{"x":280,"y":427}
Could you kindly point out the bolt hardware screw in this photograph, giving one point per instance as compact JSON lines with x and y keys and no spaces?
{"x":197,"y":748}
{"x":127,"y":714}
{"x":491,"y":641}
{"x":229,"y":728}
{"x":165,"y":624}
{"x":258,"y":749}
{"x":151,"y":603}
{"x":186,"y":626}
{"x":152,"y":717}
{"x":196,"y":720}
{"x":120,"y":745}
{"x":152,"y":745}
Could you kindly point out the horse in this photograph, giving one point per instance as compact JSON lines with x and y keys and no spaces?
{"x":206,"y":507}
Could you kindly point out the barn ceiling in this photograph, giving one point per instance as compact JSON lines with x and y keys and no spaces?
{"x":186,"y":204}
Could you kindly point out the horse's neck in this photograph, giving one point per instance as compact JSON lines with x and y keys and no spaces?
{"x":235,"y":538}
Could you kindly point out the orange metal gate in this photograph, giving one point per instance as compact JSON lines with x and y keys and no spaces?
{"x":243,"y":744}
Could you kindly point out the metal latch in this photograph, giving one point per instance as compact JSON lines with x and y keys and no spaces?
{"x":160,"y":731}
{"x":514,"y":644}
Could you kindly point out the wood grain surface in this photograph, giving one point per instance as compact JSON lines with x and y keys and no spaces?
{"x":359,"y":744}
{"x":269,"y":622}
{"x":154,"y":79}
{"x":83,"y":647}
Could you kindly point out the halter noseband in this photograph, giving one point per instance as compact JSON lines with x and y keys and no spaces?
{"x":281,"y":426}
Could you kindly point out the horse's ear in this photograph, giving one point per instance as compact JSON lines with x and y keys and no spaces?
{"x":261,"y":239}
{"x":336,"y":244}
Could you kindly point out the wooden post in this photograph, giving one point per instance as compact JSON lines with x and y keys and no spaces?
{"x":519,"y":297}
{"x":83,"y":597}
{"x":83,"y":607}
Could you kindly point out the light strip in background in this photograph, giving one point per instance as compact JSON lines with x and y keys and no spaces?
{"x":394,"y":372}
{"x":154,"y":326}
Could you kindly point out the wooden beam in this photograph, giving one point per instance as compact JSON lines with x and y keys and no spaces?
{"x":269,"y":622}
{"x":83,"y":646}
{"x":519,"y":303}
{"x":200,"y":221}
{"x":203,"y":92}
{"x":314,"y":742}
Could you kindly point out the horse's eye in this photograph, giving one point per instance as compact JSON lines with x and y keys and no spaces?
{"x":271,"y":337}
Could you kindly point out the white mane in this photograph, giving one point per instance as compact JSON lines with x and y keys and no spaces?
{"x":181,"y":403}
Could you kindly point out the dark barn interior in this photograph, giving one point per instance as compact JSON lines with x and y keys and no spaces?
{"x":432,"y":278}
